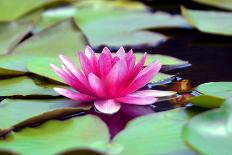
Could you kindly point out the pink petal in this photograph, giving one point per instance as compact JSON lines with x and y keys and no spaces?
{"x":74,"y":95}
{"x":97,"y":85}
{"x":85,"y":63}
{"x":107,"y":106}
{"x":121,"y":53}
{"x":153,"y":93}
{"x":71,"y":66}
{"x":74,"y":83}
{"x":115,"y":77}
{"x":107,"y":52}
{"x":105,"y":65}
{"x":129,"y":99}
{"x":143,"y":78}
{"x":138,"y":67}
{"x":130,"y":60}
{"x":89,"y":52}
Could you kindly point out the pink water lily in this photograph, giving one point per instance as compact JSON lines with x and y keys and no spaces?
{"x":109,"y":80}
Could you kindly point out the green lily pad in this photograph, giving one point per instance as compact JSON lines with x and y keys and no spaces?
{"x":11,"y":34}
{"x":223,"y":4}
{"x":210,"y":132}
{"x":54,"y":137}
{"x":158,"y":133}
{"x":48,"y":44}
{"x":207,"y":21}
{"x":168,"y":62}
{"x":218,"y":89}
{"x":100,"y":32}
{"x":161,"y":77}
{"x":206,"y":101}
{"x":21,"y":112}
{"x":26,"y":86}
{"x":13,"y":9}
{"x":14,"y":64}
{"x":214,"y":94}
{"x":44,"y":44}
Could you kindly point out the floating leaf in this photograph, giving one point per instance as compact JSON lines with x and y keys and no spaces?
{"x":11,"y":34}
{"x":44,"y":44}
{"x":158,"y":133}
{"x":13,"y":9}
{"x":206,"y":101}
{"x":21,"y":112}
{"x":99,"y":32}
{"x":168,"y":62}
{"x":24,"y":86}
{"x":214,"y":94}
{"x":54,"y":137}
{"x":14,"y":64}
{"x":224,"y":4}
{"x":48,"y":44}
{"x":161,"y":77}
{"x":210,"y":132}
{"x":218,"y":89}
{"x":207,"y":21}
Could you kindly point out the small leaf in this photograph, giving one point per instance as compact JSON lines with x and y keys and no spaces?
{"x":212,"y":128}
{"x":206,"y":101}
{"x":54,"y":137}
{"x":161,"y":77}
{"x":207,"y":21}
{"x":21,"y":112}
{"x":24,"y":86}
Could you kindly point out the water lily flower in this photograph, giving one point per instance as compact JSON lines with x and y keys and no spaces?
{"x":109,"y":80}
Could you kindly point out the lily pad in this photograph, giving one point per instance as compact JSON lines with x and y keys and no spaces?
{"x":214,"y":94}
{"x":223,"y":4}
{"x":158,"y":133}
{"x":207,"y":21}
{"x":218,"y":89}
{"x":168,"y":62}
{"x":47,"y":44}
{"x":13,"y":9}
{"x":44,"y":44}
{"x":21,"y":112}
{"x":11,"y":34}
{"x":161,"y":77}
{"x":212,"y":128}
{"x":206,"y":101}
{"x":25,"y":86}
{"x":54,"y":137}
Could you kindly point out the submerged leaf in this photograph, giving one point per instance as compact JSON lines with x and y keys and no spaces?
{"x":210,"y":132}
{"x":158,"y":133}
{"x":24,"y":86}
{"x":11,"y":35}
{"x":21,"y":112}
{"x":207,"y":21}
{"x":54,"y":137}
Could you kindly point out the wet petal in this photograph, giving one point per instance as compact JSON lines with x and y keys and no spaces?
{"x":153,"y":93}
{"x":74,"y":95}
{"x":129,"y":99}
{"x":97,"y":85}
{"x":108,"y":106}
